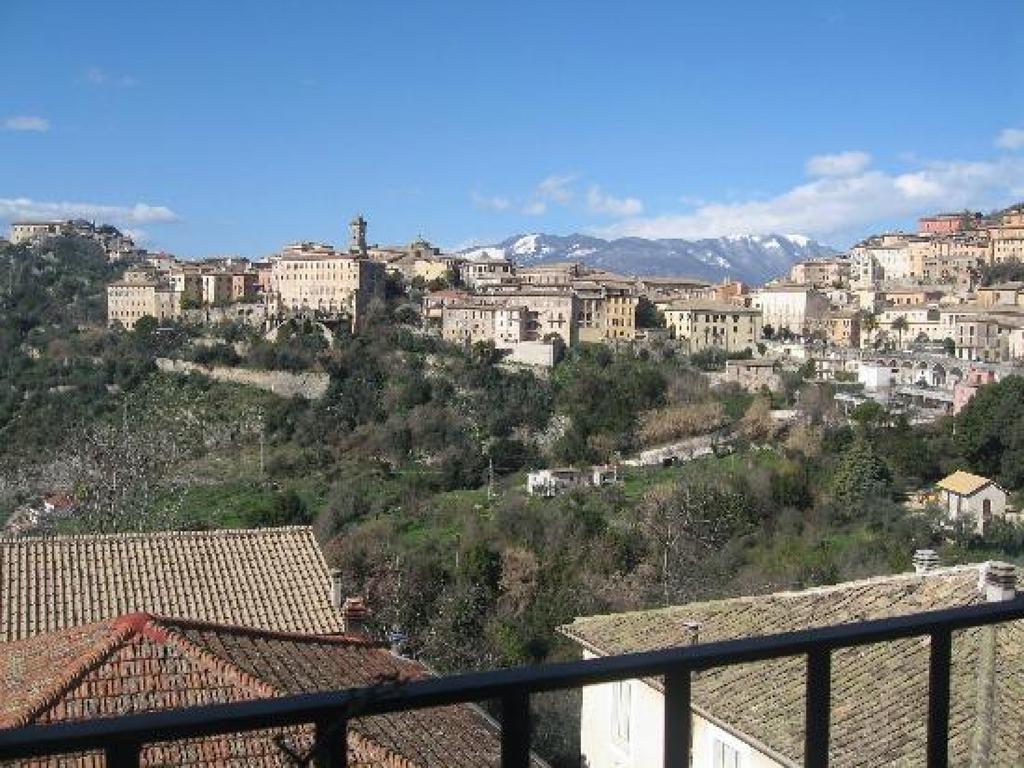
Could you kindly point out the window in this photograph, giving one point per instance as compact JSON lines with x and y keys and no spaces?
{"x":621,"y":695}
{"x":724,"y":755}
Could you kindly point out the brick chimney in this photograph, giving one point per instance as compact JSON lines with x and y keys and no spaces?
{"x":925,"y":560}
{"x":1000,"y":581}
{"x":354,"y":615}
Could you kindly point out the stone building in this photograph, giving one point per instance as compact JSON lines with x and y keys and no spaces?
{"x":26,"y":231}
{"x":1008,"y":236}
{"x":471,"y":321}
{"x":138,"y":295}
{"x":605,"y":309}
{"x":701,"y":325}
{"x":313,"y":278}
{"x":792,"y":307}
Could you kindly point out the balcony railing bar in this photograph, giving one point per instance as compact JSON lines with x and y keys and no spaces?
{"x":677,"y":718}
{"x":938,"y":697}
{"x":817,"y":708}
{"x":514,"y":683}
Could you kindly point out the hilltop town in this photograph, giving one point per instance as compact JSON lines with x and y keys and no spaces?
{"x":488,"y":463}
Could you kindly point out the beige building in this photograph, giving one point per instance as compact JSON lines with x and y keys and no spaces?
{"x":842,"y":328}
{"x":216,"y":288}
{"x":980,"y":338}
{"x":486,"y":273}
{"x":754,"y":375}
{"x":793,"y":307}
{"x":471,"y":321}
{"x":24,"y":231}
{"x":605,"y":310}
{"x":1008,"y":294}
{"x":705,"y":324}
{"x":314,"y":278}
{"x":556,"y":274}
{"x":139,"y":295}
{"x":1008,"y":236}
{"x":188,"y":281}
{"x":822,"y":273}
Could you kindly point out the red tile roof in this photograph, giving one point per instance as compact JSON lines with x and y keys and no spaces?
{"x":140,"y":662}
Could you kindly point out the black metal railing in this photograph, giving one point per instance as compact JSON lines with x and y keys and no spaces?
{"x":122,"y":738}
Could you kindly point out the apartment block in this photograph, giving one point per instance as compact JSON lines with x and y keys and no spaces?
{"x":793,"y":307}
{"x":139,"y":295}
{"x":315,"y":278}
{"x":605,"y":310}
{"x":704,"y":325}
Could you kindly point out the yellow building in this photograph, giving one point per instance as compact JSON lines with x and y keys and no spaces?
{"x":605,"y":310}
{"x":705,"y":325}
{"x":1008,"y":236}
{"x":314,"y":278}
{"x":140,"y":295}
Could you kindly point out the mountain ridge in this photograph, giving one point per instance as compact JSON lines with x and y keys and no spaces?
{"x":748,"y":258}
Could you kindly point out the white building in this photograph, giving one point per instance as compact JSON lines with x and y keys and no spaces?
{"x":752,"y":715}
{"x":552,"y":482}
{"x":791,"y":307}
{"x":962,"y":494}
{"x":486,"y":273}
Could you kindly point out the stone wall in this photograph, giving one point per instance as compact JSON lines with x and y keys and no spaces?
{"x":308,"y":385}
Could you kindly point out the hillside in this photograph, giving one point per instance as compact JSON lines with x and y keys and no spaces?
{"x":750,"y":258}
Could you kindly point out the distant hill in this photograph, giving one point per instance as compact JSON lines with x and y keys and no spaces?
{"x":750,"y":258}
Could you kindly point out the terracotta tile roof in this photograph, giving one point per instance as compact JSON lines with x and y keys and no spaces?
{"x":963,"y":483}
{"x":272,"y":578}
{"x":879,"y":692}
{"x":142,"y":663}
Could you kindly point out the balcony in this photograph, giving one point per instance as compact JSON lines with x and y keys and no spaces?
{"x":122,"y":738}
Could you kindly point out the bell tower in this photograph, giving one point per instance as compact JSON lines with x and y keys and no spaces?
{"x":357,"y":235}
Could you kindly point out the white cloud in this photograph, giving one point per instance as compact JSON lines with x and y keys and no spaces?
{"x":1010,"y":138}
{"x":26,"y":123}
{"x":843,"y":205}
{"x":556,"y":189}
{"x":840,"y":164}
{"x":535,"y":208}
{"x":98,"y":76}
{"x":492,"y":203}
{"x":602,"y":203}
{"x":140,"y":213}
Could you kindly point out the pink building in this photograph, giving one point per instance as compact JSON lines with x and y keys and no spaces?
{"x":945,"y":223}
{"x":963,"y":391}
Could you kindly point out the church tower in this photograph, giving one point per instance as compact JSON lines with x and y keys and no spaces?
{"x":357,"y":235}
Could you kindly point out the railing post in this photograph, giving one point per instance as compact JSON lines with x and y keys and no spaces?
{"x":816,"y":712}
{"x":677,"y":719}
{"x":515,"y":729}
{"x":938,"y":698}
{"x":123,"y":755}
{"x":330,"y":747}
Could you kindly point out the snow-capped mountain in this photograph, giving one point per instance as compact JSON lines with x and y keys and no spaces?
{"x":750,"y":258}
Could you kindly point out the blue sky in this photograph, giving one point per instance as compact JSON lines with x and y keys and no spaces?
{"x":234,"y":128}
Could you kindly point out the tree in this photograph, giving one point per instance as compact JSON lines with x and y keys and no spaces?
{"x":869,"y":323}
{"x":899,"y":325}
{"x":687,"y":523}
{"x":647,"y":315}
{"x":756,"y":424}
{"x":767,"y":332}
{"x":990,"y":431}
{"x":860,"y":477}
